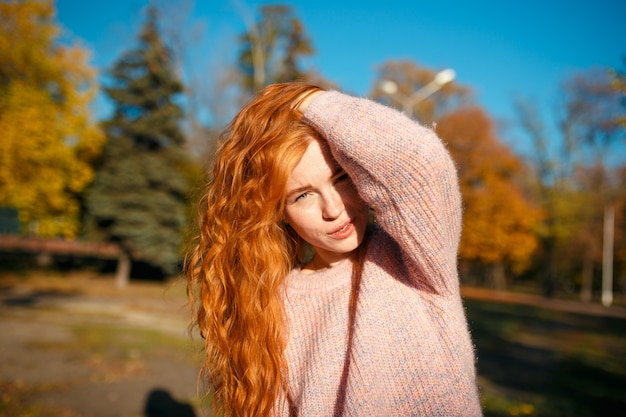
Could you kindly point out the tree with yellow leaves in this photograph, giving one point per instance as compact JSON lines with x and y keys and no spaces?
{"x":499,"y":223}
{"x":48,"y":138}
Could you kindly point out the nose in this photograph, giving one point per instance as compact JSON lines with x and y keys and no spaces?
{"x":332,"y":204}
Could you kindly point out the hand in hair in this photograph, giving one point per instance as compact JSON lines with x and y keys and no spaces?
{"x":306,"y":99}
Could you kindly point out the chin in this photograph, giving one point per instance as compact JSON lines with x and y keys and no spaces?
{"x":351,"y":246}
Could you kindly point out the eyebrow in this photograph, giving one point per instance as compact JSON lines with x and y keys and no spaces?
{"x":298,"y":190}
{"x":338,"y":170}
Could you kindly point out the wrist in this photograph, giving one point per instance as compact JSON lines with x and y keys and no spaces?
{"x":307,"y":99}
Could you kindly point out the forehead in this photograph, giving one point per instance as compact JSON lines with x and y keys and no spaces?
{"x":317,"y":162}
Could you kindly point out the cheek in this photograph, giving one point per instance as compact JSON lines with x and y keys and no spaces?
{"x":300,"y":220}
{"x":307,"y":223}
{"x":352,"y":198}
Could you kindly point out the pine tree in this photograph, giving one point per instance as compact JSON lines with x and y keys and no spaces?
{"x":138,"y":198}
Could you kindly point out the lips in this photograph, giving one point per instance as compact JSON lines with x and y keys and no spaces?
{"x":342,"y":231}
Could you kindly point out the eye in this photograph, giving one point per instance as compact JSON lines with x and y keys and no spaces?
{"x":342,"y":177}
{"x":301,"y":197}
{"x":342,"y":180}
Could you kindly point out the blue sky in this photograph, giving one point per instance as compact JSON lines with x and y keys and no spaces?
{"x":499,"y":49}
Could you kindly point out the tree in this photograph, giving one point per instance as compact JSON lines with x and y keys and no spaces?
{"x":589,"y":118}
{"x":138,"y":198}
{"x":618,"y":82}
{"x":272,"y":49}
{"x":48,"y":137}
{"x":409,"y":78}
{"x":587,"y":133}
{"x":499,"y":221}
{"x":590,"y":125}
{"x":620,"y":228}
{"x":207,"y":103}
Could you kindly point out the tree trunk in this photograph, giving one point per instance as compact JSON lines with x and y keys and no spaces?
{"x":587,"y":283}
{"x":122,"y":275}
{"x":498,"y":276}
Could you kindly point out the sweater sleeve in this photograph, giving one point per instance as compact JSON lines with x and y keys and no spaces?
{"x":404,"y":172}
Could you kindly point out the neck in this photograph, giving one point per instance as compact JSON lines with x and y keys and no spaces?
{"x":319,"y":264}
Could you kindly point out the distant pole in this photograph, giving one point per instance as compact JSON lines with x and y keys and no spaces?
{"x":607,"y":255}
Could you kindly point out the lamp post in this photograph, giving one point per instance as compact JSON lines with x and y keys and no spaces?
{"x":409,"y":101}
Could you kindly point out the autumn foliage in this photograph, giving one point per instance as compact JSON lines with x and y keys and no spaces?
{"x":48,"y":137}
{"x":499,"y":222}
{"x":539,"y":218}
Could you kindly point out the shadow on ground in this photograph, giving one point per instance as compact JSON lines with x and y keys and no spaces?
{"x":161,"y":404}
{"x":564,"y":364}
{"x":70,"y":353}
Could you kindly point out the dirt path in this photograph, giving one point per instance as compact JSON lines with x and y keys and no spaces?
{"x":570,"y":306}
{"x":85,"y":349}
{"x":76,"y":346}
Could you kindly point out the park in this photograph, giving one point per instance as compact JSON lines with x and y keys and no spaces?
{"x":97,"y":209}
{"x":76,"y":345}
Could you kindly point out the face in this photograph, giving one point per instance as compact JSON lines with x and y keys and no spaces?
{"x":323,"y":206}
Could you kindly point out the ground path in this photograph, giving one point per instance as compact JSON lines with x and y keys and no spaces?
{"x":570,"y":306}
{"x":77,"y":346}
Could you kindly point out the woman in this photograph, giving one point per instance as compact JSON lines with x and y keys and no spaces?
{"x":371,"y":322}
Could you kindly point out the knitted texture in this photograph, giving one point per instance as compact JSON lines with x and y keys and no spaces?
{"x":411,"y":352}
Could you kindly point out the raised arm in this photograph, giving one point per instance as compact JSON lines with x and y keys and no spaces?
{"x":402,"y":170}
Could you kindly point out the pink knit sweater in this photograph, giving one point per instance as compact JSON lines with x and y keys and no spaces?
{"x":411,"y":353}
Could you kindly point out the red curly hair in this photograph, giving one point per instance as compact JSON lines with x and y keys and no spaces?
{"x":243,"y":252}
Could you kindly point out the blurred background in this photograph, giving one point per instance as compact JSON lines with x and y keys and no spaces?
{"x":110,"y":113}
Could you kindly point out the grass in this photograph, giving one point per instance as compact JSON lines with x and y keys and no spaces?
{"x":16,"y":400}
{"x":539,"y":362}
{"x":532,"y":361}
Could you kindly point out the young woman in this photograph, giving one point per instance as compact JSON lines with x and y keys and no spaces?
{"x":308,"y":305}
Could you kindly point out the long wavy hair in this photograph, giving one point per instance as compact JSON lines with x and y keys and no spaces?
{"x":244,"y":250}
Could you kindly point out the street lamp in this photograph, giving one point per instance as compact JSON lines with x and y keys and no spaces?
{"x":408,"y":102}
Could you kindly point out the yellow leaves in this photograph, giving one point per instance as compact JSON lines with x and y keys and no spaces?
{"x":26,"y":34}
{"x":499,"y":222}
{"x":48,"y":138}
